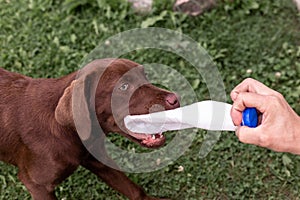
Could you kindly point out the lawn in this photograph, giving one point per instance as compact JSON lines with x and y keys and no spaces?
{"x":251,"y":38}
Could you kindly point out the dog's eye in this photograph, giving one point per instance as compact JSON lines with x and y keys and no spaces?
{"x":124,"y":86}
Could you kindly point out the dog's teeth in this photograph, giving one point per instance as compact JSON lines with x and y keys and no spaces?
{"x":153,"y":137}
{"x":160,"y":135}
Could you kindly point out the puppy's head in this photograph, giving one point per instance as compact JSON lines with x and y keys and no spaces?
{"x":108,"y":90}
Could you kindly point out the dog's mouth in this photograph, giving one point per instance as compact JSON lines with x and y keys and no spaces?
{"x":148,"y":140}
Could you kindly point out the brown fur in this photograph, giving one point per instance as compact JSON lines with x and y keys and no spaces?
{"x":37,"y":132}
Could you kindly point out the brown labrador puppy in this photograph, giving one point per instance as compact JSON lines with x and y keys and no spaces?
{"x":38,"y":133}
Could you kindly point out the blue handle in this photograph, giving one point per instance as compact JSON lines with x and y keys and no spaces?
{"x":250,"y":117}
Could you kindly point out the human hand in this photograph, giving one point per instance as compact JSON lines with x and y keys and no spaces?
{"x":279,"y":128}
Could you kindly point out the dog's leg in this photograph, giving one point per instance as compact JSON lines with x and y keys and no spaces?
{"x":116,"y":179}
{"x":37,"y":191}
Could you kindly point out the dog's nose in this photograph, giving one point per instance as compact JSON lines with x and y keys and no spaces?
{"x":173,"y":100}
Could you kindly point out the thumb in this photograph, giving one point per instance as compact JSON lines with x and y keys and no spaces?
{"x":249,"y":135}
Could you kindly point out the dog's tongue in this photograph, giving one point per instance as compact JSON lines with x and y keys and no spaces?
{"x":209,"y":115}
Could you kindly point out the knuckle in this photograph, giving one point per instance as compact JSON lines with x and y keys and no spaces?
{"x":276,"y":99}
{"x":233,"y":93}
{"x":278,"y":95}
{"x":249,"y":80}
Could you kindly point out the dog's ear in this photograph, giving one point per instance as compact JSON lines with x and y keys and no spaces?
{"x":76,"y":107}
{"x":63,"y":111}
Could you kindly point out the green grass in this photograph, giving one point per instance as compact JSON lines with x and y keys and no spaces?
{"x":47,"y":38}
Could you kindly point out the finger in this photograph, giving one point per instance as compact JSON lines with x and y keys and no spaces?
{"x":246,"y":100}
{"x":251,"y":85}
{"x":249,"y":100}
{"x":236,"y":116}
